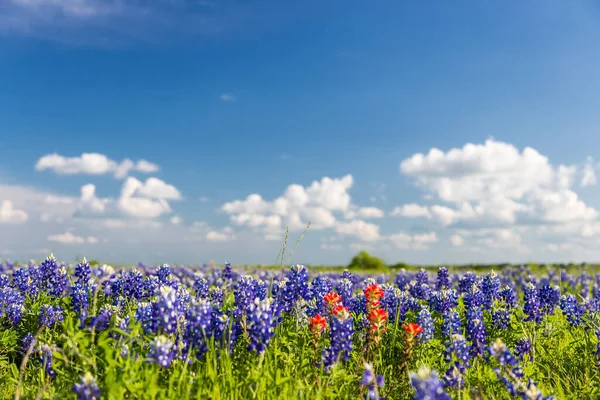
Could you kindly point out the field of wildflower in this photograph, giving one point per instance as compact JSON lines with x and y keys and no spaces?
{"x":171,"y":332}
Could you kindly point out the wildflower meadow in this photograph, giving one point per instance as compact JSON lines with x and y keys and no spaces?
{"x":221,"y":332}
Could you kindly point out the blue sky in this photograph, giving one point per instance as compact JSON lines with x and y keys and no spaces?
{"x":226,"y":99}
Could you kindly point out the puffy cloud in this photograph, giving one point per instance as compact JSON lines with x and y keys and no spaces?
{"x":363,"y":230}
{"x":146,"y":200}
{"x":295,"y":207}
{"x":494,"y":182}
{"x":88,"y":200}
{"x":92,"y":164}
{"x":176,"y":220}
{"x":225,"y":236}
{"x":69,"y":238}
{"x":411,"y":210}
{"x":9,"y":214}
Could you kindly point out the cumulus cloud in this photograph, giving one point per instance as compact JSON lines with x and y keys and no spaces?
{"x":176,"y":220}
{"x":295,"y":207}
{"x":494,"y":182}
{"x":69,"y":238}
{"x":363,"y":230}
{"x":145,"y":200}
{"x":92,"y":164}
{"x":9,"y":214}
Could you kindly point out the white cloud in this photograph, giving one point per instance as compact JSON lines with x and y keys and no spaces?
{"x":295,"y":207}
{"x":215,"y":236}
{"x":92,"y":164}
{"x":69,"y":238}
{"x":329,"y":246}
{"x":89,"y":202}
{"x":146,"y":200}
{"x":9,"y":214}
{"x":363,"y":230}
{"x":456,"y":240}
{"x":176,"y":220}
{"x":496,"y":183}
{"x":411,"y":210}
{"x":228,"y":97}
{"x":589,"y":173}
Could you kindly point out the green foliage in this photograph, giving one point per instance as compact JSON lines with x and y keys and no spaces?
{"x":366,"y":262}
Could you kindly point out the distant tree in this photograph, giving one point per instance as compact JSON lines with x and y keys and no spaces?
{"x":364,"y":260}
{"x":93,"y":263}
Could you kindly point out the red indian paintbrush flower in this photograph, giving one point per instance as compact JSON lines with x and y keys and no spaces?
{"x":317,"y":324}
{"x":413,"y":329}
{"x":332,"y":299}
{"x":373,"y":293}
{"x":341,"y":312}
{"x":377,"y":318}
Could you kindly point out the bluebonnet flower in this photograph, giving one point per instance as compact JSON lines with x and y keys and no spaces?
{"x":490,"y":287}
{"x":510,"y":374}
{"x":26,"y":280}
{"x":163,"y":272}
{"x":476,"y":331}
{"x":260,"y":324}
{"x":473,"y":298}
{"x":199,"y":327}
{"x":451,"y":324}
{"x":161,"y":351}
{"x":422,"y":277}
{"x":501,"y":319}
{"x":216,"y":295}
{"x":27,"y":343}
{"x":80,"y":300}
{"x":466,"y":282}
{"x":53,"y":277}
{"x":11,"y":305}
{"x":548,"y":298}
{"x":523,"y":347}
{"x":4,"y":280}
{"x":426,"y":322}
{"x":508,"y":295}
{"x":443,"y":281}
{"x":402,"y":280}
{"x":427,"y":385}
{"x":532,"y":305}
{"x":102,"y":320}
{"x":340,"y":337}
{"x":296,"y":287}
{"x":420,"y":291}
{"x":345,"y":289}
{"x":201,"y":287}
{"x":226,"y":274}
{"x":372,"y":383}
{"x":167,"y":311}
{"x":83,"y":272}
{"x":87,"y":388}
{"x":50,"y":315}
{"x":570,"y":309}
{"x":457,"y":350}
{"x":319,"y":287}
{"x":443,"y":301}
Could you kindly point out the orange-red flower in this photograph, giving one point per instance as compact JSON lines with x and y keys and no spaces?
{"x":373,"y":293}
{"x":317,"y":324}
{"x":341,"y":312}
{"x":377,"y":318}
{"x":413,"y":329}
{"x":332,"y":299}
